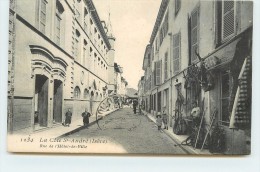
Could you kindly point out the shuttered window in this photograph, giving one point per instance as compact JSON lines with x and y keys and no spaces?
{"x":152,"y":54}
{"x":176,"y":52}
{"x":158,"y":73}
{"x":194,"y":34}
{"x":43,"y":16}
{"x":228,"y":19}
{"x":177,"y":6}
{"x":57,"y":29}
{"x":166,"y":66}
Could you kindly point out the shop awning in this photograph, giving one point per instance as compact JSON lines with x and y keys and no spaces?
{"x":222,"y":56}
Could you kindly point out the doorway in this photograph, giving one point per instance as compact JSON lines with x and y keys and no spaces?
{"x":91,"y":101}
{"x":41,"y":100}
{"x":57,"y":101}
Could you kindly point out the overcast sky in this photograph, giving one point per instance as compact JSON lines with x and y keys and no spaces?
{"x":132,"y":23}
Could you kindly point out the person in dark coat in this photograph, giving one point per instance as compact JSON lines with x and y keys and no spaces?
{"x":85,"y":116}
{"x":68,"y":116}
{"x":134,"y":106}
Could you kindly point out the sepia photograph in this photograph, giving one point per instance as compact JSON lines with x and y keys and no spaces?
{"x":130,"y":77}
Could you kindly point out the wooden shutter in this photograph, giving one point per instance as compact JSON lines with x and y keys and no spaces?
{"x":166,"y":66}
{"x":158,"y":73}
{"x":228,"y":19}
{"x":177,"y":6}
{"x":176,"y":52}
{"x":194,"y":34}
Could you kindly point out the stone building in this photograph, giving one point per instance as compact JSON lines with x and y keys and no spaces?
{"x":200,"y":51}
{"x":61,"y":56}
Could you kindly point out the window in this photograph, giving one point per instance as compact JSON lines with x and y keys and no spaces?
{"x":76,"y":50}
{"x":164,"y":28}
{"x":152,"y":54}
{"x":43,"y":15}
{"x":76,"y":92}
{"x":225,"y":96}
{"x":194,"y":33}
{"x":156,"y":45}
{"x":176,"y":52}
{"x":84,"y":56}
{"x":86,"y":93}
{"x":166,"y":24}
{"x":57,"y":29}
{"x":161,"y":36}
{"x":158,"y":73}
{"x":77,"y":46}
{"x":166,"y":66}
{"x":177,"y":6}
{"x":226,"y":21}
{"x":85,"y":19}
{"x":78,"y":11}
{"x":85,"y":12}
{"x":85,"y":52}
{"x":149,"y":59}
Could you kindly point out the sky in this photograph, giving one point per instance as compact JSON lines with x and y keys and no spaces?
{"x":132,"y":25}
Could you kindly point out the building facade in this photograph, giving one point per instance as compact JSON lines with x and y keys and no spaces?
{"x":61,"y":57}
{"x":200,"y":51}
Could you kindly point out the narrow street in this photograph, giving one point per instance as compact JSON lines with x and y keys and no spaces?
{"x":133,"y":132}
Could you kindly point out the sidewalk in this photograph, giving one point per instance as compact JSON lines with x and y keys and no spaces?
{"x":179,"y":138}
{"x":75,"y":126}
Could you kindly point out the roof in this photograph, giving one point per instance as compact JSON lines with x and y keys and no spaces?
{"x":98,"y":22}
{"x":131,"y":92}
{"x":145,"y":60}
{"x":159,"y":18}
{"x":118,"y":68}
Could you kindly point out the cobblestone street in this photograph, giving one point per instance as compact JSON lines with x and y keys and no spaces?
{"x":134,"y":133}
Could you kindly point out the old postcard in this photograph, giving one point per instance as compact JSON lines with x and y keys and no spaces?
{"x":162,"y":77}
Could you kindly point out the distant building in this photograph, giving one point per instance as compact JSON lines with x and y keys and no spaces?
{"x":61,"y":56}
{"x":141,"y":85}
{"x":200,"y":51}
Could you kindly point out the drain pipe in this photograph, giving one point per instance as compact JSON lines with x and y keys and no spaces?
{"x":170,"y":116}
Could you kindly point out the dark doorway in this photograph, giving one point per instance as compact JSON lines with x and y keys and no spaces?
{"x":57,"y":101}
{"x":91,"y":101}
{"x":159,"y":102}
{"x":41,"y":100}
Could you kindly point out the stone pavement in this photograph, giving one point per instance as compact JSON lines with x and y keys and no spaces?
{"x":127,"y":133}
{"x":179,"y":138}
{"x":76,"y":125}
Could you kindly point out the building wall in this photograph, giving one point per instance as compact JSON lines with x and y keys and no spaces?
{"x":85,"y":69}
{"x":207,"y":43}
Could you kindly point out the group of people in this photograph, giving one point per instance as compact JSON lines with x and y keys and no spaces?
{"x":163,"y":119}
{"x":85,"y":115}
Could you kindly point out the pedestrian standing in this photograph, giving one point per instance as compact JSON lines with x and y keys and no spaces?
{"x":86,"y":116}
{"x":165,"y":119}
{"x":195,"y":114}
{"x":134,"y":106}
{"x":68,"y":116}
{"x":159,"y":122}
